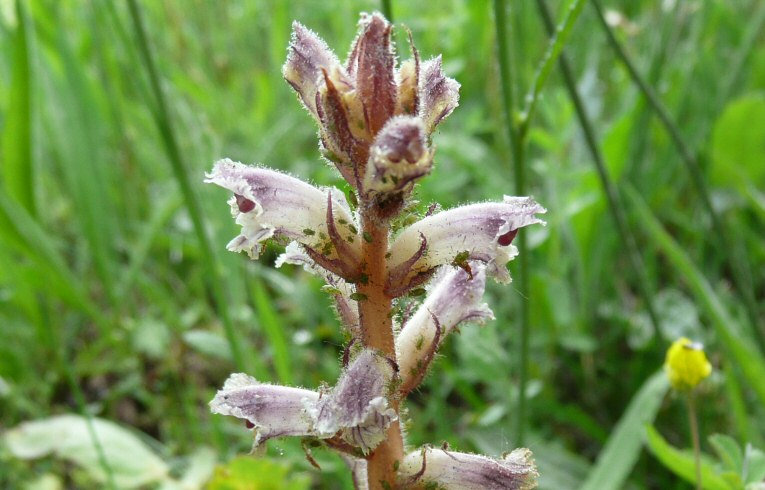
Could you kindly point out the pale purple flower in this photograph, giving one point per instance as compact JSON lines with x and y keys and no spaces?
{"x":438,"y":94}
{"x":268,"y":204}
{"x":455,"y":296}
{"x":481,"y":232}
{"x":270,"y":410}
{"x":308,"y":55}
{"x":356,"y":409}
{"x":450,"y":470}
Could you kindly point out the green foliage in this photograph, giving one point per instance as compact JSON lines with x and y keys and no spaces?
{"x":247,"y":473}
{"x":616,"y":460}
{"x":114,"y":278}
{"x":738,"y":144}
{"x":736,"y":469}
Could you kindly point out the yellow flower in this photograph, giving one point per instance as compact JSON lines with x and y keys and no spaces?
{"x":686,"y":364}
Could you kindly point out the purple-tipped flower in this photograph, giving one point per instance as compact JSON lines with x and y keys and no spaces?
{"x":308,"y":57}
{"x":439,"y":94}
{"x":270,"y":410}
{"x":268,"y":204}
{"x":481,"y":232}
{"x":451,"y":470}
{"x":456,"y":296}
{"x":356,"y":409}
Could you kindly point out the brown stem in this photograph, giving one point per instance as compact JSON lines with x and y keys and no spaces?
{"x":377,"y":333}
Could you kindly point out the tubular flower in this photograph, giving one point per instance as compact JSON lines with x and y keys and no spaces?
{"x":355,"y":410}
{"x":455,"y":296}
{"x":686,"y":364}
{"x":451,"y":470}
{"x":268,"y":204}
{"x":482,"y":232}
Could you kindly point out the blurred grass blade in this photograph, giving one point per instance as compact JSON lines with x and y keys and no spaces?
{"x":21,"y":230}
{"x":162,"y":212}
{"x":748,"y":359}
{"x":554,"y":48}
{"x":17,"y":166}
{"x":621,"y":452}
{"x":519,"y":173}
{"x":269,"y":321}
{"x":209,"y":258}
{"x":615,"y":204}
{"x":681,"y":462}
{"x":730,"y":249}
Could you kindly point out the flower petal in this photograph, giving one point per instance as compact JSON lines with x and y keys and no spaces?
{"x":455,"y":296}
{"x":271,"y":410}
{"x":357,"y":407}
{"x":462,"y":471}
{"x":439,"y":94}
{"x":308,"y":55}
{"x":481,"y":232}
{"x":269,"y":204}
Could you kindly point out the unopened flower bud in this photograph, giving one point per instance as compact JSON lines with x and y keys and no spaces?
{"x":398,"y":157}
{"x":372,"y":61}
{"x":686,"y":364}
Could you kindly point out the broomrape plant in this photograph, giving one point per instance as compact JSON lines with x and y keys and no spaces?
{"x":375,"y":123}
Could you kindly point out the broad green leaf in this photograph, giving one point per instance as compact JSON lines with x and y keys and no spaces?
{"x":738,"y":144}
{"x":248,"y":473}
{"x":682,"y":463}
{"x":728,"y":450}
{"x":132,"y":462}
{"x":616,"y":460}
{"x":208,"y":343}
{"x":754,"y":464}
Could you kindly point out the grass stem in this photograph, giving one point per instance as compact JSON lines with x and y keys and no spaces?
{"x":741,"y":276}
{"x":615,"y":203}
{"x":516,"y":146}
{"x":695,"y":437}
{"x":180,"y":173}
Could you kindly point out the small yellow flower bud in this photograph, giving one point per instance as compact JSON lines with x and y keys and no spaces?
{"x":686,"y":364}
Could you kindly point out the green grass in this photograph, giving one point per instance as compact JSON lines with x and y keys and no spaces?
{"x":118,"y":299}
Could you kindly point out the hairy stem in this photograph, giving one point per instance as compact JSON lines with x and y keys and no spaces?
{"x":377,"y":333}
